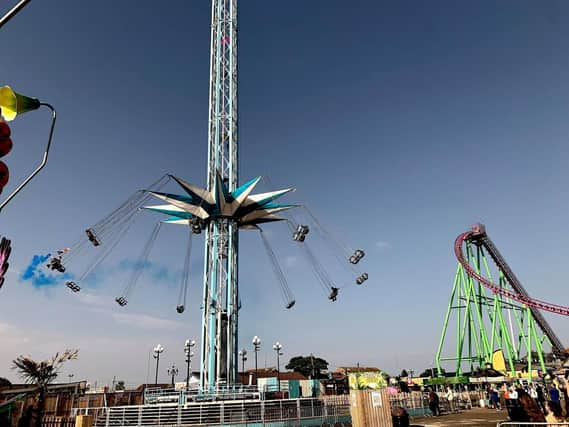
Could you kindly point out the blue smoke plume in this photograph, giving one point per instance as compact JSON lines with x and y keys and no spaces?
{"x":38,"y":278}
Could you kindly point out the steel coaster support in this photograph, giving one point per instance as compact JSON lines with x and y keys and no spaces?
{"x":530,"y":357}
{"x":502,"y":332}
{"x":538,"y":345}
{"x":480,"y":302}
{"x":463,"y":329}
{"x":524,"y":339}
{"x":455,"y":288}
{"x":481,"y":326}
{"x":481,"y":346}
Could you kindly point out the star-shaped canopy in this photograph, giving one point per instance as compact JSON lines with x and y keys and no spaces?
{"x":247,"y":209}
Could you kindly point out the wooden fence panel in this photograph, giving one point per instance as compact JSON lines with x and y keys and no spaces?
{"x":370,"y":408}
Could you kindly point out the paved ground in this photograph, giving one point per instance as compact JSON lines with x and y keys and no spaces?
{"x":476,"y":417}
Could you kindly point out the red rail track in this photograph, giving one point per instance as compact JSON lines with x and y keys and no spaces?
{"x":531,"y":302}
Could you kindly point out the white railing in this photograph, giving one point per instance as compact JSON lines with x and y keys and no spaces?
{"x":221,"y":413}
{"x":529,"y":423}
{"x":154,"y":396}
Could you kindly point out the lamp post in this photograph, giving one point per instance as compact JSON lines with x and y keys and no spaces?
{"x":243,"y":355}
{"x":157,"y":350}
{"x":11,"y":105}
{"x":312,"y":363}
{"x":188,"y":350}
{"x":173,"y":371}
{"x":257,"y":347}
{"x":277,"y":347}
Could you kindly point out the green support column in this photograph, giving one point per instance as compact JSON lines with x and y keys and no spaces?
{"x":480,"y":321}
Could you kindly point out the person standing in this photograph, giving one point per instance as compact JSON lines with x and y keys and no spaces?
{"x":533,"y":392}
{"x":496,"y":398}
{"x":563,"y":390}
{"x":514,"y":394}
{"x":527,"y":409}
{"x":554,"y":394}
{"x":434,"y":403}
{"x":554,"y":413}
{"x":540,"y":397}
{"x":450,"y":398}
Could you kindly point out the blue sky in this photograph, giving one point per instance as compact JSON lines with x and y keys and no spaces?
{"x":399,"y":123}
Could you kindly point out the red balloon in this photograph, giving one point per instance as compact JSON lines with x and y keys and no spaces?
{"x":4,"y":174}
{"x":5,"y":131}
{"x":5,"y":146}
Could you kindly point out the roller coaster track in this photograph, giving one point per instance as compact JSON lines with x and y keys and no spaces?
{"x":518,"y":293}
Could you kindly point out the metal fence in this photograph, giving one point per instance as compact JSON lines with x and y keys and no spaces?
{"x":223,"y":413}
{"x":417,"y":403}
{"x":50,"y":421}
{"x":519,"y":424}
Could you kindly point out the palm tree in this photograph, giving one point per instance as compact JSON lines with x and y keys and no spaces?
{"x":42,"y":373}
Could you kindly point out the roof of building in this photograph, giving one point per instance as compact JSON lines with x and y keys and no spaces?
{"x":28,"y":388}
{"x":270,"y":373}
{"x":353,"y":369}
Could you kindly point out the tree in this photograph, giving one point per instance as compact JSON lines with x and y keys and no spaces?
{"x":42,"y":373}
{"x":309,"y":366}
{"x":404,"y":373}
{"x":120,"y":385}
{"x":432,"y":372}
{"x":4,"y":382}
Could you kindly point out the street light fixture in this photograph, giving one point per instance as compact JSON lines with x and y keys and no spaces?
{"x":243,"y":354}
{"x":278,"y":347}
{"x":157,"y":350}
{"x":256,"y":347}
{"x":11,"y":105}
{"x":173,"y":371}
{"x":189,"y":353}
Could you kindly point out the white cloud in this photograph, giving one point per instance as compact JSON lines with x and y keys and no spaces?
{"x":92,"y":300}
{"x":102,"y":305}
{"x":145,"y":321}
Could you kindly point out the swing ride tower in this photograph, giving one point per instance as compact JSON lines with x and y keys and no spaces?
{"x":217,"y":211}
{"x":219,"y":362}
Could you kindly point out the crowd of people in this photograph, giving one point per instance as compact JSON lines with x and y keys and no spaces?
{"x":530,"y":402}
{"x":524,"y":402}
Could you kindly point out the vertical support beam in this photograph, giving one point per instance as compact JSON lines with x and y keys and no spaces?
{"x":538,"y":346}
{"x":220,"y":294}
{"x":529,"y":342}
{"x":455,"y":286}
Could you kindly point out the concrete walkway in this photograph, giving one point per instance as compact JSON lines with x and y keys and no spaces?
{"x":476,"y":417}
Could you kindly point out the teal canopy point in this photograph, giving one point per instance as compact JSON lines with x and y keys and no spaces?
{"x":247,"y":209}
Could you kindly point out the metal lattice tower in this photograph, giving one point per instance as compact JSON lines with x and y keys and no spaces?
{"x":220,"y":288}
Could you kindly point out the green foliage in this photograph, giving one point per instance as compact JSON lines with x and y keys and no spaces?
{"x":42,"y":373}
{"x":309,"y":366}
{"x":404,"y":373}
{"x":4,"y":382}
{"x":120,"y":385}
{"x":431,"y":372}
